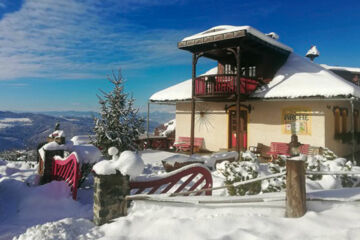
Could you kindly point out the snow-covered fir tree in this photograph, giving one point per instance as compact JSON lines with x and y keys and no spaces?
{"x":119,"y":124}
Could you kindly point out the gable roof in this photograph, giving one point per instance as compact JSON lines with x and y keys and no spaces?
{"x":297,"y":78}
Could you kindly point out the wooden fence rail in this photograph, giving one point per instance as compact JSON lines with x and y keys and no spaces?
{"x":332,"y":173}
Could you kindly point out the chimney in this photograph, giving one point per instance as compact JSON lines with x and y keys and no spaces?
{"x":312,"y":53}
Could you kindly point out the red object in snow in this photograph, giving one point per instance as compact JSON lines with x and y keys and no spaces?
{"x":67,"y":170}
{"x":190,"y":171}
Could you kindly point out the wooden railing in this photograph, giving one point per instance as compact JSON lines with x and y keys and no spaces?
{"x":223,"y":85}
{"x":169,"y":181}
{"x":67,"y":170}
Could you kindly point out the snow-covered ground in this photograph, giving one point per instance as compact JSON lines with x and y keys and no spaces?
{"x":28,"y":211}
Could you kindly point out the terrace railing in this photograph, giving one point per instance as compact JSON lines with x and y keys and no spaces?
{"x":222,"y":85}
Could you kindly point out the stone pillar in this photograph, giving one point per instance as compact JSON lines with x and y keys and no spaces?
{"x":295,"y":188}
{"x":109,"y":197}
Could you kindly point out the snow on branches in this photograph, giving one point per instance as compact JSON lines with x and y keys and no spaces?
{"x":119,"y":124}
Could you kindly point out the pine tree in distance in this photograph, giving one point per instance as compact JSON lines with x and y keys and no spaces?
{"x":119,"y":124}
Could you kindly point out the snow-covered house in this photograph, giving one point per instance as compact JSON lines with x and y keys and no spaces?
{"x":275,"y":94}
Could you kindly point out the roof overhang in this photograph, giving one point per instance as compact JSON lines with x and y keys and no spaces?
{"x":212,"y":41}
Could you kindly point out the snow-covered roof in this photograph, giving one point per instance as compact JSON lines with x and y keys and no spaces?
{"x":228,"y":28}
{"x":349,"y":69}
{"x":299,"y":78}
{"x":178,"y":92}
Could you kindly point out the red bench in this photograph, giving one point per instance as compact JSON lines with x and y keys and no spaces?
{"x":67,"y":170}
{"x":280,"y":148}
{"x":185,"y":176}
{"x":183,"y":144}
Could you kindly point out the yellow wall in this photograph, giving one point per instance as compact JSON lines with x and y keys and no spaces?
{"x":212,"y":125}
{"x":264,"y":123}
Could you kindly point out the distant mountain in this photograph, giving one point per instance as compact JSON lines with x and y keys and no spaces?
{"x":156,"y":119}
{"x":26,"y":130}
{"x":66,"y":114}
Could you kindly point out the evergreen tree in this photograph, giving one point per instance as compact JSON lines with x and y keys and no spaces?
{"x":119,"y":124}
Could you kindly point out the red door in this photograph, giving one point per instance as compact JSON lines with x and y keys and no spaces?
{"x":243,"y":129}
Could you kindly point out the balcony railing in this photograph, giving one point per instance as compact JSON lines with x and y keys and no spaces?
{"x":222,"y":85}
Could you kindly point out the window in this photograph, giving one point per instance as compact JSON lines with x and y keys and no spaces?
{"x":356,"y":120}
{"x":344,"y":114}
{"x":337,"y":120}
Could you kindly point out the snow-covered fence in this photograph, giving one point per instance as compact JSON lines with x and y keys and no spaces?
{"x":173,"y":181}
{"x":112,"y":191}
{"x":295,"y":194}
{"x":332,"y":173}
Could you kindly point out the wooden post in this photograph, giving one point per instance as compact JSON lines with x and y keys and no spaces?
{"x":353,"y":132}
{"x":192,"y":129}
{"x":148,"y":120}
{"x":295,"y":188}
{"x":238,"y":138}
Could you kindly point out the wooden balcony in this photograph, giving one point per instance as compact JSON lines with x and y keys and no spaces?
{"x":222,"y":85}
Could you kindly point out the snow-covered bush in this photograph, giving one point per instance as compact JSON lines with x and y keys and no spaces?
{"x":275,"y":184}
{"x":239,"y":171}
{"x":119,"y":124}
{"x":249,"y":168}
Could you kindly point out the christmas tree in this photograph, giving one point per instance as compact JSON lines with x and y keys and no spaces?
{"x":119,"y":124}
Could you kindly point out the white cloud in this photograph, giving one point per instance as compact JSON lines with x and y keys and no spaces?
{"x":71,"y":39}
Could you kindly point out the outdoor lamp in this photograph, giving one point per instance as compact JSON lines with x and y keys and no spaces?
{"x":294,"y":146}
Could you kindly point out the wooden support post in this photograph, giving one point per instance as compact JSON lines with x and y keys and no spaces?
{"x":353,"y":132}
{"x":148,"y":120}
{"x":192,"y":129}
{"x":238,"y":68}
{"x":295,"y":188}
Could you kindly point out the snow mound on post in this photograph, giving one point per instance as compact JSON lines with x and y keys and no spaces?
{"x":113,"y":151}
{"x":129,"y":163}
{"x":86,"y":153}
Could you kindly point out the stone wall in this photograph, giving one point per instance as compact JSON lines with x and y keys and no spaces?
{"x":109,"y":197}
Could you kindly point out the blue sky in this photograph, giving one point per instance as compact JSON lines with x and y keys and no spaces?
{"x":55,"y":55}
